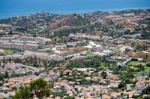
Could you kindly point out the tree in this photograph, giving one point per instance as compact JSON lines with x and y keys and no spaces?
{"x":146,"y":90}
{"x":122,"y":85}
{"x":6,"y":74}
{"x":34,"y":61}
{"x":23,"y":93}
{"x":40,"y":88}
{"x":145,"y":35}
{"x":4,"y":62}
{"x":10,"y":33}
{"x":9,"y":60}
{"x":148,"y":64}
{"x":104,"y":75}
{"x":1,"y":79}
{"x":127,"y":77}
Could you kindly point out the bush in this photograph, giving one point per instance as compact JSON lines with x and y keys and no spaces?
{"x":148,"y":64}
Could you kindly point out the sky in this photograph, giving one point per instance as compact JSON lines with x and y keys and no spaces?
{"x":9,"y":8}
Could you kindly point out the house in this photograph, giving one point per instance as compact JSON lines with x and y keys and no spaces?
{"x":115,"y":95}
{"x":5,"y":89}
{"x":131,"y":94}
{"x":125,"y":49}
{"x":60,"y":46}
{"x":107,"y":52}
{"x":71,"y":44}
{"x":43,"y":56}
{"x":2,"y":52}
{"x":18,"y":81}
{"x":141,"y":85}
{"x":94,"y":46}
{"x":23,"y":42}
{"x":105,"y":97}
{"x":22,"y":46}
{"x":4,"y":96}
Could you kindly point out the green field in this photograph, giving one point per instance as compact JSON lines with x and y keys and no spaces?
{"x":140,"y":66}
{"x":146,"y":69}
{"x":9,"y":51}
{"x":135,"y":63}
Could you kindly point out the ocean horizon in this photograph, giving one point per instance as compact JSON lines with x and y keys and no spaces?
{"x":12,"y":8}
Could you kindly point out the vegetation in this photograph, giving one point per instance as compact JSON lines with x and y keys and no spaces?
{"x":2,"y":76}
{"x":104,"y":75}
{"x":9,"y":50}
{"x":133,"y":69}
{"x":91,"y":62}
{"x":40,"y":88}
{"x":23,"y":93}
{"x":61,"y":93}
{"x":145,"y":35}
{"x":69,"y":97}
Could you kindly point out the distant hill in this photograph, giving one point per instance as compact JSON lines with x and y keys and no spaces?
{"x":110,"y":22}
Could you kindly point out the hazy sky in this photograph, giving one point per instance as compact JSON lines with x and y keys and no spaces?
{"x":10,"y":8}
